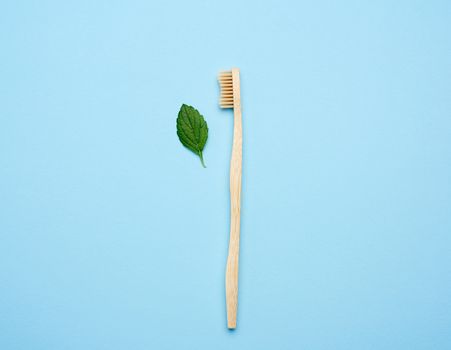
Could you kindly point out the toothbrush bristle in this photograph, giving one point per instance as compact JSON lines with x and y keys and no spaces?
{"x":226,"y":83}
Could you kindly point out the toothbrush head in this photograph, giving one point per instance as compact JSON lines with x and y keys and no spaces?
{"x":229,"y":82}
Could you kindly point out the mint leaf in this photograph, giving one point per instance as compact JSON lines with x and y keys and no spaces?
{"x":192,"y":130}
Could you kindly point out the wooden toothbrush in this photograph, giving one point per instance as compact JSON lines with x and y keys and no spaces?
{"x":230,"y":98}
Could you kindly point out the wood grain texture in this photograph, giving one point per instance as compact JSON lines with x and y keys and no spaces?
{"x":235,"y":201}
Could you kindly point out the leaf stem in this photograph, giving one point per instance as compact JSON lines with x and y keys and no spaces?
{"x":201,"y":159}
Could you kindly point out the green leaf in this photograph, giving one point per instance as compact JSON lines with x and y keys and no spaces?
{"x":192,"y":130}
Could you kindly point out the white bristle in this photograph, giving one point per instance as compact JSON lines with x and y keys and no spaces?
{"x":226,"y":83}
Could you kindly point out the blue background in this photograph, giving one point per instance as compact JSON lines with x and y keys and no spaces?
{"x":112,"y":235}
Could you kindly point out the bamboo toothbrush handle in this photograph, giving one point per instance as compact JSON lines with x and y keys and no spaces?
{"x":235,"y":198}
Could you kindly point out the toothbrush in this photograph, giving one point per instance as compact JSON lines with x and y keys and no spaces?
{"x":230,"y":98}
